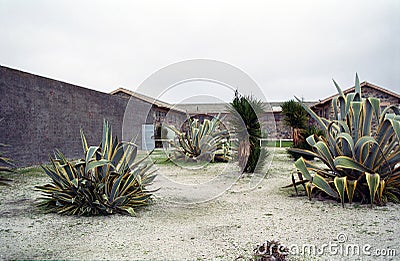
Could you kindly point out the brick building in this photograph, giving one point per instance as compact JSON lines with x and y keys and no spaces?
{"x":159,"y":112}
{"x":324,"y":107}
{"x":273,"y":110}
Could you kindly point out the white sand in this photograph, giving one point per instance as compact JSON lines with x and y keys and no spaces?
{"x":227,"y":227}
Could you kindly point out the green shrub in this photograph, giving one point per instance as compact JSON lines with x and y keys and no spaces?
{"x":361,"y":162}
{"x":244,"y":112}
{"x":206,"y":141}
{"x":295,"y":117}
{"x":107,"y":180}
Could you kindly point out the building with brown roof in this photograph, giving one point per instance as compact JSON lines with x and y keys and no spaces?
{"x":324,"y":107}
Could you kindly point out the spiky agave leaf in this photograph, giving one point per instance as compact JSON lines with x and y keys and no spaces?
{"x":373,"y":181}
{"x":350,"y":188}
{"x":340,"y":184}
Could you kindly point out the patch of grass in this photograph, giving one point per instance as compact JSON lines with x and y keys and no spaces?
{"x":163,"y":161}
{"x":283,"y":144}
{"x":32,"y":171}
{"x":159,"y":157}
{"x":26,"y":172}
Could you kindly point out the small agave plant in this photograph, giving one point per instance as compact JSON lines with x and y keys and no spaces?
{"x":5,"y":166}
{"x":202,"y":141}
{"x":360,"y":161}
{"x":107,"y":180}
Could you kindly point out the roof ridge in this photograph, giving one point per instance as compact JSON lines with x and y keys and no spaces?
{"x":362,"y":84}
{"x":147,"y":98}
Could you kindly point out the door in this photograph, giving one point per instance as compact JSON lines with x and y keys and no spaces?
{"x":148,"y":137}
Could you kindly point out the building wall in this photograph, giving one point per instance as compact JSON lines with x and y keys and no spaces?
{"x":41,"y":115}
{"x":326,"y":110}
{"x":282,"y":130}
{"x":156,"y":114}
{"x":385,"y":98}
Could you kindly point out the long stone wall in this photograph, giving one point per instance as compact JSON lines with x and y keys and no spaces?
{"x":41,"y":114}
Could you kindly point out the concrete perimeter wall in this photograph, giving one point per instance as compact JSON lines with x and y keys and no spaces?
{"x":41,"y":114}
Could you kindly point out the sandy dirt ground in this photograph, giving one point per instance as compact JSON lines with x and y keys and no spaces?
{"x":227,"y":227}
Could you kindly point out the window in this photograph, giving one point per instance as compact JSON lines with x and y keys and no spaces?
{"x":327,"y":112}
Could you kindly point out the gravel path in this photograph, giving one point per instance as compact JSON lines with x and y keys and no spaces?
{"x":225,"y":228}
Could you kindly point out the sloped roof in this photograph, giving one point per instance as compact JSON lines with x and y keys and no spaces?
{"x":214,"y":108}
{"x":146,"y":98}
{"x":351,"y":89}
{"x":192,"y":108}
{"x":203,"y":107}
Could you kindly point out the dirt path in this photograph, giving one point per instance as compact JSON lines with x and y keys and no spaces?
{"x":225,"y":228}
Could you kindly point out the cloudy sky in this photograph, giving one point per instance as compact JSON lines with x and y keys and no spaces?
{"x":287,"y":47}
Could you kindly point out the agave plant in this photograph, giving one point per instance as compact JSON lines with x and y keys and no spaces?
{"x":5,"y":166}
{"x":107,"y":180}
{"x":360,"y":151}
{"x":223,"y":153}
{"x":202,"y":141}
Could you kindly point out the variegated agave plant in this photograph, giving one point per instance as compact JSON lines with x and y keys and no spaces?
{"x":108,"y":180}
{"x":5,"y":166}
{"x":202,"y":141}
{"x":361,"y":161}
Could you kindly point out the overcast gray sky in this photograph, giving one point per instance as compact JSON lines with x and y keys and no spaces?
{"x":287,"y":47}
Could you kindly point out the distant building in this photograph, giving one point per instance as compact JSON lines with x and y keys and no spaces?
{"x":324,"y":108}
{"x":160,"y":112}
{"x":206,"y":110}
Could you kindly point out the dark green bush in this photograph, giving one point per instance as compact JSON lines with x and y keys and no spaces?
{"x":244,"y":112}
